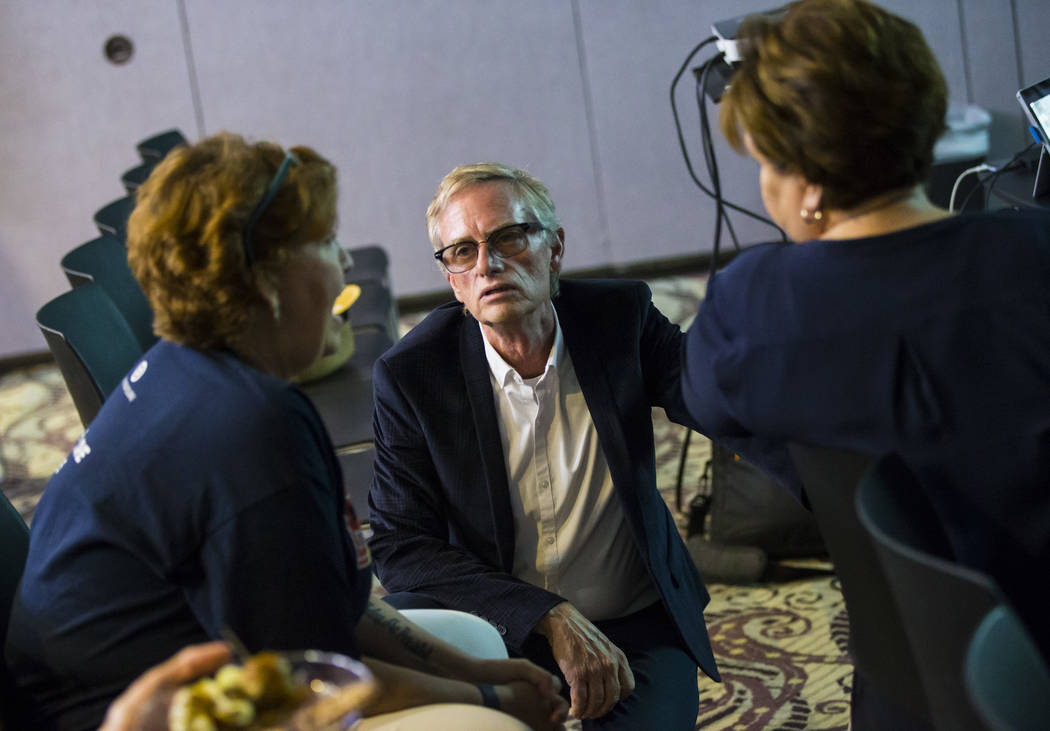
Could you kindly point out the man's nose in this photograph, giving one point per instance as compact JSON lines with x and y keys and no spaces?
{"x":488,"y":260}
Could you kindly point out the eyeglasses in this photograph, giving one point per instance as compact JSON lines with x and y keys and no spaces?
{"x":264,"y":203}
{"x":503,"y":242}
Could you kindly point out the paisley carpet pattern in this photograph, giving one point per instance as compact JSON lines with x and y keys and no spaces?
{"x":781,"y":647}
{"x":776,"y":649}
{"x":38,"y":426}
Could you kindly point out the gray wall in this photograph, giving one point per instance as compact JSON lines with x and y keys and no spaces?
{"x":398,"y":92}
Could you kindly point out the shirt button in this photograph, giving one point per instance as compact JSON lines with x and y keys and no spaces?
{"x":550,"y":541}
{"x":501,"y":629}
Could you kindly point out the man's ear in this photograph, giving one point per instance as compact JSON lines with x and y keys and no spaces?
{"x":557,"y":250}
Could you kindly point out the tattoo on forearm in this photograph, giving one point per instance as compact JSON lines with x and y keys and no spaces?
{"x":402,"y":632}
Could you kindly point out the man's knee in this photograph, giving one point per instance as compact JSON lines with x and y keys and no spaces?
{"x":666,"y":694}
{"x":471,"y":634}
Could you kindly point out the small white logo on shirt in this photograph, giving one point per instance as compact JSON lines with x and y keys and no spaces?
{"x":81,"y":449}
{"x":125,"y":385}
{"x":139,"y":371}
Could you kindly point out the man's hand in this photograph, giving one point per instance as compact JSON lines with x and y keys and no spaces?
{"x":596,"y":669}
{"x":143,"y":704}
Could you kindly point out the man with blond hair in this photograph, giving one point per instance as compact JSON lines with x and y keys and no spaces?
{"x":515,"y":470}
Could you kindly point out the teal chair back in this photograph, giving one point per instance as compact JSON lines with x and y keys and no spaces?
{"x":155,"y":147}
{"x":939,"y":601}
{"x":92,"y":344}
{"x":1006,"y":677}
{"x":887,"y":687}
{"x":104,"y":261}
{"x":112,"y":218}
{"x":133,"y":178}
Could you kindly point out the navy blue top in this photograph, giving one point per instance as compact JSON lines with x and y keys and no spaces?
{"x":933,"y":342}
{"x":205,"y":493}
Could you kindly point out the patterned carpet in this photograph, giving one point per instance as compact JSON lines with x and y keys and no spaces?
{"x":38,"y":426}
{"x":780,"y":647}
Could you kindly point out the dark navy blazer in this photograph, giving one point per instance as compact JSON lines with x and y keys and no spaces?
{"x":440,"y":501}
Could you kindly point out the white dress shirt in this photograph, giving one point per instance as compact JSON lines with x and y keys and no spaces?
{"x":571,"y":536}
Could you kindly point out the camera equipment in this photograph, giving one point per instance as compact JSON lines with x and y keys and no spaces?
{"x":1035,"y":100}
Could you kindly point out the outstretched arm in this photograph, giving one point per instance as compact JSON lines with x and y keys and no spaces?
{"x":414,"y":668}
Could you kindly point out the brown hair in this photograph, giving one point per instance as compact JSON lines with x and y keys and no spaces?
{"x":185,"y":236}
{"x":843,"y":93}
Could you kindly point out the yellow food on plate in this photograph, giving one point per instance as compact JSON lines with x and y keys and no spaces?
{"x":263,"y":693}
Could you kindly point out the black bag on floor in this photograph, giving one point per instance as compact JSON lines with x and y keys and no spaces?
{"x":742,"y":522}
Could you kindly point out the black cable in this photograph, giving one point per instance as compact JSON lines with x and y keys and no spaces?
{"x":991,"y":179}
{"x":720,"y":203}
{"x":712,"y":166}
{"x":707,"y":145}
{"x":674,"y":111}
{"x":681,"y":139}
{"x":705,"y":130}
{"x":1014,"y":162}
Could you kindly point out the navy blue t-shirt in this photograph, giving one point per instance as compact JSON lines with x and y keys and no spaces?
{"x":933,"y":342}
{"x":205,"y":493}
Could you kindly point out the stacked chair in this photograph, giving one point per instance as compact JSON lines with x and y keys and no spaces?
{"x":376,"y":308}
{"x":92,"y":344}
{"x":136,"y":176}
{"x":943,"y":604}
{"x":104,"y":261}
{"x":112,"y":218}
{"x":103,"y":325}
{"x":1007,"y":681}
{"x":934,"y":643}
{"x":878,"y":645}
{"x":154,"y":149}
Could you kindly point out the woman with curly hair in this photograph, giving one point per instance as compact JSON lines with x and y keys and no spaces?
{"x":206,"y":493}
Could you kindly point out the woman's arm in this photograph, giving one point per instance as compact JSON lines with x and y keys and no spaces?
{"x":402,"y":687}
{"x":414,"y":668}
{"x":386,"y":634}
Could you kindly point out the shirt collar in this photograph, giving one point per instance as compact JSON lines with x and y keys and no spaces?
{"x":504,"y":373}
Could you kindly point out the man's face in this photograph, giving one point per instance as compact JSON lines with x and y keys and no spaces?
{"x":499,"y":291}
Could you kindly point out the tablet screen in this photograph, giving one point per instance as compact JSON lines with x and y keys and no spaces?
{"x":1035,"y":100}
